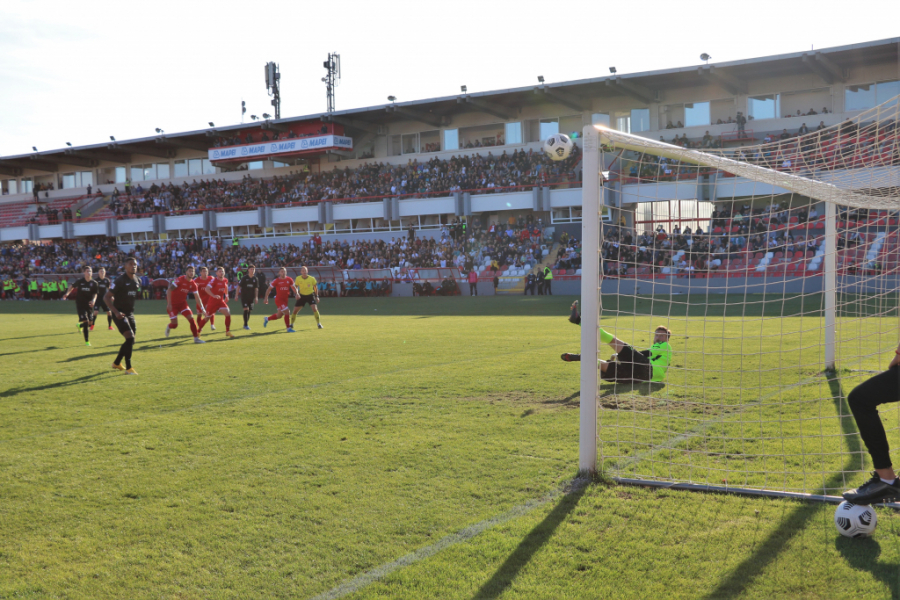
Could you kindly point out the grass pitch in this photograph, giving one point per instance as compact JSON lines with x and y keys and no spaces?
{"x":414,"y":448}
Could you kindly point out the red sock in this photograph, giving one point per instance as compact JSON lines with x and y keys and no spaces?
{"x":173,"y":324}
{"x":274,"y":317}
{"x":287,"y":320}
{"x":194,"y":329}
{"x":212,"y":319}
{"x":200,"y":324}
{"x":227,"y":322}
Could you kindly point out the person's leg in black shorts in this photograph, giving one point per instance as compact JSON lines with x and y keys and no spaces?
{"x":864,"y":401}
{"x":247,"y":304}
{"x":128,"y":328}
{"x":84,"y":319}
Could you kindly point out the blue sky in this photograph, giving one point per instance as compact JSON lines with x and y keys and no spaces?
{"x":82,"y":71}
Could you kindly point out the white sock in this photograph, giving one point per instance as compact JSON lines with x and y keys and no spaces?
{"x":891,"y":482}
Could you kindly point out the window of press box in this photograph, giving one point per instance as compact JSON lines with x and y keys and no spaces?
{"x":549,"y":127}
{"x":869,"y":95}
{"x":77,"y":180}
{"x":181,"y":168}
{"x":121,"y":174}
{"x":430,"y":141}
{"x":764,"y":107}
{"x":451,"y":139}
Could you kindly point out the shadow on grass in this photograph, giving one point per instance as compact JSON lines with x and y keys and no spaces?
{"x":566,"y":400}
{"x":644,"y":388}
{"x":30,"y":351}
{"x":863,"y":554}
{"x":765,"y":553}
{"x":50,"y":386}
{"x":534,"y":541}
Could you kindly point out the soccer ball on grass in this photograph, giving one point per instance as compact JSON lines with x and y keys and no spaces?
{"x":855,"y":520}
{"x":558,"y":146}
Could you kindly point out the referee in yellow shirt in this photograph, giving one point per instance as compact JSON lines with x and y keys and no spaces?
{"x":306,"y":285}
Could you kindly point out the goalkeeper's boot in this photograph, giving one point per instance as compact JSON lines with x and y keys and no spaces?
{"x":321,"y":326}
{"x":131,"y":372}
{"x":574,"y":317}
{"x":571,"y":357}
{"x":874,"y":491}
{"x":118,"y":367}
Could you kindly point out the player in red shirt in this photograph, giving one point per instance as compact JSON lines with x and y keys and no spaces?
{"x":176,"y":303}
{"x":217,"y":291}
{"x":282,"y":286}
{"x":202,"y":281}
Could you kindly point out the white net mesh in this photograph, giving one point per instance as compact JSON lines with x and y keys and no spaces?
{"x":742,"y":253}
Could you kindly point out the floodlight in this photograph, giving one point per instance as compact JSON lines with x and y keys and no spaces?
{"x":464,"y":89}
{"x":540,"y":79}
{"x":612,"y":70}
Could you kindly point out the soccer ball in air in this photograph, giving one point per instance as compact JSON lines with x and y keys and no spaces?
{"x":558,"y":146}
{"x":855,"y":520}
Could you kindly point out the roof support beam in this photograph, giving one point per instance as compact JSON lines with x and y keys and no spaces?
{"x":419,"y":116}
{"x":11,"y":171}
{"x":634,"y":90}
{"x":148,"y":150}
{"x":33,"y":164}
{"x":566,"y":99}
{"x":116,"y":157}
{"x":831,"y":67}
{"x":352,"y":123}
{"x":491,"y":108}
{"x":813,"y":65}
{"x":181,"y":143}
{"x":273,"y":126}
{"x":730,"y":83}
{"x":68,"y":159}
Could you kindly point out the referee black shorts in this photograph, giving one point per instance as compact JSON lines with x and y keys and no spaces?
{"x":85,"y":312}
{"x":126,"y":324}
{"x":304,"y":300}
{"x":628,"y":366}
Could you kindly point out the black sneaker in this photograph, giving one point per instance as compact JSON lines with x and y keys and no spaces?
{"x":874,"y":490}
{"x":575,"y":317}
{"x":571,"y":357}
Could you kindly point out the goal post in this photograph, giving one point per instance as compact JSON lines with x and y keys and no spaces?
{"x":776,"y":268}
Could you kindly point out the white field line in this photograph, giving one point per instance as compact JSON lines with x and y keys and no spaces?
{"x":360,"y":581}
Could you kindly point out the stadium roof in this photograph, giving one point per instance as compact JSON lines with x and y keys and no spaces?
{"x":830,"y":64}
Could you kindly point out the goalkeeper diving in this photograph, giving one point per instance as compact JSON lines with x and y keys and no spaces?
{"x":630,"y":365}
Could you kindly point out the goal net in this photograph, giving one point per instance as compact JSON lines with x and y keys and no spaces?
{"x":775,"y":267}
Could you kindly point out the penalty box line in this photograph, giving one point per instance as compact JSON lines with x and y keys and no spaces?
{"x":463,"y":535}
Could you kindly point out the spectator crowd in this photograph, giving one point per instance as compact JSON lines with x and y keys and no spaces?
{"x":369,"y":182}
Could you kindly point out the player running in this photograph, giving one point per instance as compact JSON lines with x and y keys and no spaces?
{"x":306,"y":285}
{"x":282,"y":286}
{"x":103,"y":285}
{"x":85,"y":296}
{"x":249,"y":286}
{"x":630,"y":365}
{"x":202,"y":281}
{"x":217,"y":291}
{"x":177,"y":304}
{"x":120,"y":299}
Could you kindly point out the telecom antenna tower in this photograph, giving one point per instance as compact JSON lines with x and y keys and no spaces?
{"x":273,"y":84}
{"x":333,"y":66}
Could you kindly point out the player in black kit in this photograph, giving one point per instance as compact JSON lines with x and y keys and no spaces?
{"x":85,"y":296}
{"x":103,"y":282}
{"x":120,"y":300}
{"x":249,"y":285}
